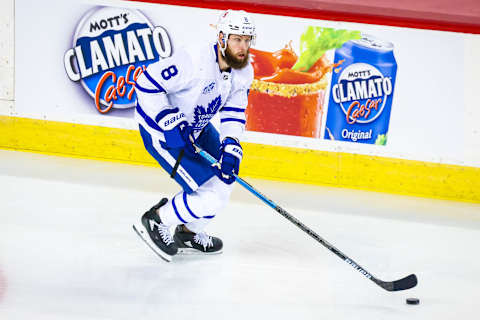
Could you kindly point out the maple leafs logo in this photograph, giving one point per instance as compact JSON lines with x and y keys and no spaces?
{"x":214,"y":105}
{"x":202,"y":117}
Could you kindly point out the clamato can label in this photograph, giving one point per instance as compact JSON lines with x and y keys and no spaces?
{"x":361,"y":91}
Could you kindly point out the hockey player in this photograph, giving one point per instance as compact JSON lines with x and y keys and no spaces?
{"x":176,"y":99}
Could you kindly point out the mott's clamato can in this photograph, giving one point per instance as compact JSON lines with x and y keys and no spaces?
{"x":361,"y":91}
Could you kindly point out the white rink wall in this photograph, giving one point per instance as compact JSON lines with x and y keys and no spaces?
{"x":452,"y":139}
{"x":7,"y":41}
{"x":472,"y":99}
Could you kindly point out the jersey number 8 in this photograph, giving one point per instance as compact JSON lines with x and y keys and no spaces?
{"x":169,"y":72}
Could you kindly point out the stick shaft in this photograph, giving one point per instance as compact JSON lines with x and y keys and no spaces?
{"x":402,"y":284}
{"x":290,"y":218}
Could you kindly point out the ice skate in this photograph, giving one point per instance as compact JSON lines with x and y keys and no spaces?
{"x":155,"y":234}
{"x":189,"y":242}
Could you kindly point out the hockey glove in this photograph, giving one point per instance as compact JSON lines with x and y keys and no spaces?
{"x":231,"y":154}
{"x":176,"y":130}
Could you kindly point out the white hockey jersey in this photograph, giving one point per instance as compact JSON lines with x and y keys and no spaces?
{"x":191,"y":80}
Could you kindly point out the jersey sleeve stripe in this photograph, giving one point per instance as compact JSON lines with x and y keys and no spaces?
{"x":232,"y":119}
{"x":232,"y":109}
{"x":154,"y":82}
{"x":147,"y":119}
{"x":163,"y":113}
{"x":140,"y":88}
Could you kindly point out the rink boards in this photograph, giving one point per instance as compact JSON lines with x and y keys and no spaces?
{"x":433,"y":146}
{"x":341,"y":169}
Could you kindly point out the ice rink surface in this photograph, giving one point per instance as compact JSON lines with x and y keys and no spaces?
{"x":68,"y":251}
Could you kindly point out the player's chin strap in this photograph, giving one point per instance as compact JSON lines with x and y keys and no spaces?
{"x":222,"y":48}
{"x":401,"y":284}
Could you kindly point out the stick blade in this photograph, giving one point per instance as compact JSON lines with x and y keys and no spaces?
{"x":402,"y":284}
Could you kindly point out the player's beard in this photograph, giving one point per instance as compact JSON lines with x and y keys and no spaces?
{"x":234,"y":62}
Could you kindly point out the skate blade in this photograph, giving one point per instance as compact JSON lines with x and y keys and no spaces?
{"x":195,"y":252}
{"x":141,"y":232}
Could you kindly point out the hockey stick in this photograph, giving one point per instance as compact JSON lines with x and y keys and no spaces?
{"x":397,"y":285}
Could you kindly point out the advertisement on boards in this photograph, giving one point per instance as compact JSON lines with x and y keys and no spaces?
{"x":290,"y":92}
{"x":317,"y":84}
{"x":110,"y":49}
{"x":361,"y":92}
{"x":112,"y":46}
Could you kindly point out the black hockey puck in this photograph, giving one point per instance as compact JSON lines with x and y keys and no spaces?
{"x":413,"y":301}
